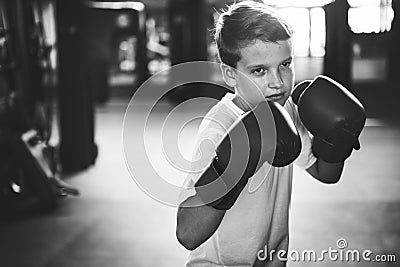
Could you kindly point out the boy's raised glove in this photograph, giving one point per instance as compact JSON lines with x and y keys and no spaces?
{"x":265,"y":134}
{"x":333,"y":115}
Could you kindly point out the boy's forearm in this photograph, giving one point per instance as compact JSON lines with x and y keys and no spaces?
{"x":197,"y":224}
{"x":326,"y":172}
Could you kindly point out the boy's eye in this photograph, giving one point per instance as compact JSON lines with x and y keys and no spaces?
{"x":287,"y":64}
{"x":258,"y":71}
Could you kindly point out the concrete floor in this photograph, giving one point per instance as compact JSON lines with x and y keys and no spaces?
{"x":114,"y":223}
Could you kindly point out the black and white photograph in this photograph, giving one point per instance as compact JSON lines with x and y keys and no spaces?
{"x":199,"y":133}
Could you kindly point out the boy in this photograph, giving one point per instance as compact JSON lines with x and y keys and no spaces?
{"x":251,"y":40}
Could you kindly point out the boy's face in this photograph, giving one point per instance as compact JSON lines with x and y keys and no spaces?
{"x":269,"y":66}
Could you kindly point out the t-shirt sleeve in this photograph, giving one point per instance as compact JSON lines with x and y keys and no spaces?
{"x":208,"y":138}
{"x":212,"y":129}
{"x":306,"y":158}
{"x":203,"y":153}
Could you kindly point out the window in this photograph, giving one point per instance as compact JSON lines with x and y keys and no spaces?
{"x":309,"y":30}
{"x":367,"y":16}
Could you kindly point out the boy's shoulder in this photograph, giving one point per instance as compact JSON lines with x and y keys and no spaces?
{"x":222,"y":115}
{"x":291,"y":108}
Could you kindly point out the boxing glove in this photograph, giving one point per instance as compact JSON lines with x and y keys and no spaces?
{"x":333,"y":115}
{"x":265,"y":134}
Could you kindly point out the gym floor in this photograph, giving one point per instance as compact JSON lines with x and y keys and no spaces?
{"x":114,"y":223}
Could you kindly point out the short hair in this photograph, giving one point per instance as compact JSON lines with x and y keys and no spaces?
{"x":242,"y":24}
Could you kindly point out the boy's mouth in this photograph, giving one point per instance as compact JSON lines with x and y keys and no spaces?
{"x":275,"y":97}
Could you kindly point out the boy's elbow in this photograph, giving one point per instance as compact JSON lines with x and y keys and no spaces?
{"x":327,"y":173}
{"x":184,"y":234}
{"x":330,"y":180}
{"x":326,"y":179}
{"x":330,"y":177}
{"x":185,"y":239}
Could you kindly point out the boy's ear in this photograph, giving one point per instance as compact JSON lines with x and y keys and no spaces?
{"x":229,"y":75}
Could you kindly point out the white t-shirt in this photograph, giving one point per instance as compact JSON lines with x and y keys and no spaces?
{"x":260,"y":216}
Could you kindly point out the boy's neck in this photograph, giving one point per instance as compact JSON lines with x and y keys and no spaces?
{"x":240,"y":103}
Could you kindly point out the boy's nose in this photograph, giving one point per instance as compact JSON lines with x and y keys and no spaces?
{"x":275,"y":80}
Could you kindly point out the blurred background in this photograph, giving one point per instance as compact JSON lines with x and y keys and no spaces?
{"x":68,"y":69}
